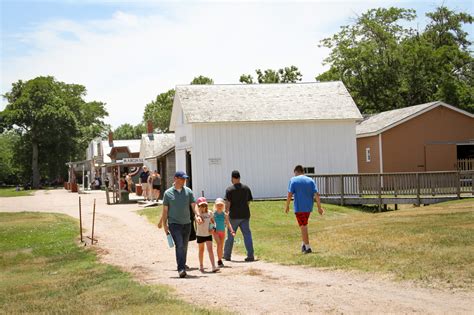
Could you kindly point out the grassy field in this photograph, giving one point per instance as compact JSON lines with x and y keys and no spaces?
{"x":11,"y":192}
{"x":42,"y":270}
{"x":433,"y":245}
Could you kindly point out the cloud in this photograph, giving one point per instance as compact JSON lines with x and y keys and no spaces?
{"x":127,"y":59}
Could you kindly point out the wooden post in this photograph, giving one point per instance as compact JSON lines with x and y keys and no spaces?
{"x":326,"y":181}
{"x":93,"y":223}
{"x":458,"y":184}
{"x":80,"y":218}
{"x":379,"y":182}
{"x":472,"y":182}
{"x":107,"y":195}
{"x":342,"y":190}
{"x":418,"y":201}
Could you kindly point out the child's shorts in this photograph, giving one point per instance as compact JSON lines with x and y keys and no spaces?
{"x":302,"y":218}
{"x":203,"y":239}
{"x":221,"y":234}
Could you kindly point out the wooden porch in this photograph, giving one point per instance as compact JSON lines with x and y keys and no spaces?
{"x":394,"y":188}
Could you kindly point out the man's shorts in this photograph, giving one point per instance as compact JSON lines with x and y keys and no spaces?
{"x":203,"y":239}
{"x":302,"y":218}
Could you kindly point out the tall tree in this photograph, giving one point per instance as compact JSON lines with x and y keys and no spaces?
{"x":159,"y":111}
{"x":128,"y":131}
{"x":202,"y":80}
{"x":284,"y":75}
{"x":387,"y":65}
{"x":9,"y":170}
{"x":54,"y":120}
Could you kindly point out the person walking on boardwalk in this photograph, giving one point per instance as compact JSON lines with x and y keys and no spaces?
{"x":305,"y":192}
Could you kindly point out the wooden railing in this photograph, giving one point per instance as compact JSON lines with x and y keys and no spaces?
{"x":465,"y":165}
{"x":395,"y":185}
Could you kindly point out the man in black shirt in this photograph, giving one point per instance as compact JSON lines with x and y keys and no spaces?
{"x":238,"y":197}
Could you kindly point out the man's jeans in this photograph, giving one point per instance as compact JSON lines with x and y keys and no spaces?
{"x":244,"y":225}
{"x":180,"y":234}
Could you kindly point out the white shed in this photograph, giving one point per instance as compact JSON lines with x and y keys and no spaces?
{"x":262,"y":130}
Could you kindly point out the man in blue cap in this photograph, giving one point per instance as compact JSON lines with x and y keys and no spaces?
{"x":176,"y":219}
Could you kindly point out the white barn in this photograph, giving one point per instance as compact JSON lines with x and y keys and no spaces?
{"x":262,"y":130}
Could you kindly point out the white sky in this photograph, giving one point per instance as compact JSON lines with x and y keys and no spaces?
{"x":125,"y":60}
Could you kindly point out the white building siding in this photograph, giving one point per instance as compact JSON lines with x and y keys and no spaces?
{"x":266,"y":153}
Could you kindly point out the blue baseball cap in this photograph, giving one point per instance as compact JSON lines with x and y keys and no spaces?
{"x":181,"y":174}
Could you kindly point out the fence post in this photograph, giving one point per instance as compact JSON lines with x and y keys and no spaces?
{"x":418,"y":201}
{"x":342,"y":190}
{"x":380,"y":191}
{"x":472,"y":182}
{"x":458,"y":184}
{"x":107,"y":194}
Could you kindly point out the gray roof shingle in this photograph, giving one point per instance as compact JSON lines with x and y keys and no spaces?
{"x":266,"y":102}
{"x":382,"y":121}
{"x":151,"y":146}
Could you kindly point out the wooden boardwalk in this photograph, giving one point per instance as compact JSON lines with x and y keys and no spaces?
{"x":394,"y":188}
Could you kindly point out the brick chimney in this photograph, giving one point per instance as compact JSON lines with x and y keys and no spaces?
{"x":149,"y":127}
{"x":111,"y":139}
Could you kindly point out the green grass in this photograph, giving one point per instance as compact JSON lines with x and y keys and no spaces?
{"x":433,"y":245}
{"x":43,"y":270}
{"x":11,"y":192}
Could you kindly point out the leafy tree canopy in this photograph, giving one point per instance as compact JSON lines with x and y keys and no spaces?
{"x":202,"y":80}
{"x":159,"y":111}
{"x":285,"y":75}
{"x":387,"y":65}
{"x":55,"y":123}
{"x":128,"y":131}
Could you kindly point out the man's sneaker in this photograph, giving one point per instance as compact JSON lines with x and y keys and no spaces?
{"x":220,"y":264}
{"x":182,"y":274}
{"x":227,"y":258}
{"x":250,"y":259}
{"x":308,"y":251}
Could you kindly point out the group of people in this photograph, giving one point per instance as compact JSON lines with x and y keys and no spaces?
{"x":151,"y":184}
{"x":231,"y":214}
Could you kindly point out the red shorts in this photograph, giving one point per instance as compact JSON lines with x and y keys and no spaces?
{"x":302,"y":218}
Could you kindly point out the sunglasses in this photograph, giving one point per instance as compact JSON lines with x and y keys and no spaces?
{"x":202,"y":206}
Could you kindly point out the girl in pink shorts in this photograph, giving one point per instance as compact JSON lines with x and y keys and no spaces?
{"x":222,"y":220}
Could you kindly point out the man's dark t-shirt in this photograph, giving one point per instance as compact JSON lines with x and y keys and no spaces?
{"x":144,"y":176}
{"x":239,"y":196}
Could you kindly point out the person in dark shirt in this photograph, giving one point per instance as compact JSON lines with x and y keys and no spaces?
{"x":144,"y":181}
{"x":238,"y":197}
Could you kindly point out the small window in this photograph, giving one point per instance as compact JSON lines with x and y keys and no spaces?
{"x":308,"y":169}
{"x":367,"y":155}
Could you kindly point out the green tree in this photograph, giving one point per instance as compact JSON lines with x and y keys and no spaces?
{"x":159,"y":111}
{"x":9,"y":170}
{"x":54,"y":122}
{"x":202,"y":80}
{"x":387,"y":65}
{"x":128,"y":131}
{"x":285,"y":75}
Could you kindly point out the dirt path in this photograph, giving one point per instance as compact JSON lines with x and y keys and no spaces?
{"x":127,"y":240}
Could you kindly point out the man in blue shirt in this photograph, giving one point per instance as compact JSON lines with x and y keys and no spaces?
{"x":305,"y":192}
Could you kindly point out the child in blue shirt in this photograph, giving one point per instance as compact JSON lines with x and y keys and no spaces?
{"x":222,"y":220}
